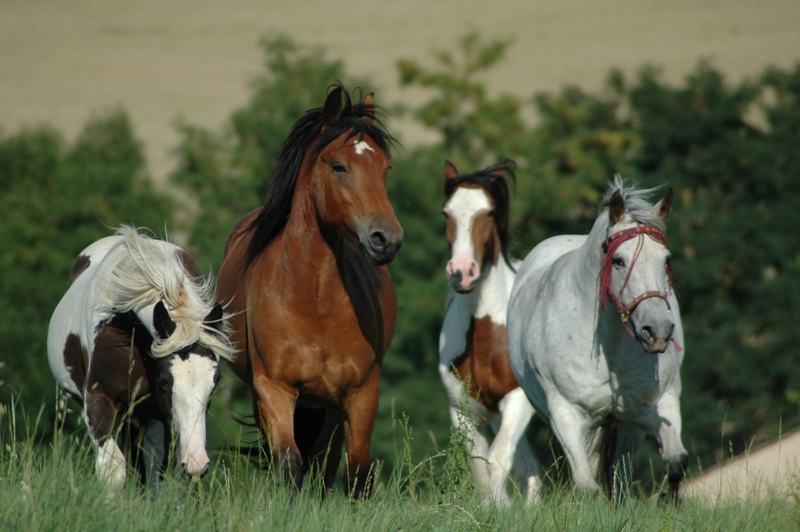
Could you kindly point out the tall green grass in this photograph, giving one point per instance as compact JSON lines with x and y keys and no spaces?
{"x":52,"y":486}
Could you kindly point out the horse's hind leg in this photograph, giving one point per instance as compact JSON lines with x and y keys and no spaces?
{"x":516,"y":414}
{"x":325,"y":455}
{"x":528,"y":472}
{"x":102,"y":418}
{"x":629,"y":438}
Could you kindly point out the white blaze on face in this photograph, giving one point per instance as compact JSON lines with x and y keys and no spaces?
{"x":362,"y":145}
{"x":193,"y":382}
{"x":463,"y":206}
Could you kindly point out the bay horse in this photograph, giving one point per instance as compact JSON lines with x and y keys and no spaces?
{"x":313,"y":303}
{"x":604,"y":384}
{"x":138,"y":334}
{"x":473,"y":348}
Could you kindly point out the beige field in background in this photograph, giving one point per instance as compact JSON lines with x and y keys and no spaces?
{"x":62,"y":60}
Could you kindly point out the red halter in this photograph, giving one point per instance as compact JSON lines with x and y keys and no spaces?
{"x":610,"y":245}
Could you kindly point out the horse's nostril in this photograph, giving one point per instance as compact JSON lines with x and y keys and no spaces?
{"x":378,"y":240}
{"x":647,"y":334}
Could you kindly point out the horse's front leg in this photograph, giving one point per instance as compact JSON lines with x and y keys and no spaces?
{"x":571,"y":426}
{"x":155,"y":452}
{"x":667,"y":429}
{"x":102,"y":416}
{"x":275,"y":411}
{"x":472,"y":426}
{"x":516,"y":413}
{"x":361,"y":407}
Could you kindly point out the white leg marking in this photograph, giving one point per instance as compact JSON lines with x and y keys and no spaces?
{"x":517,"y":413}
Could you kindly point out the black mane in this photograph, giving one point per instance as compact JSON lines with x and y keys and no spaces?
{"x":308,"y":133}
{"x":493,"y":180}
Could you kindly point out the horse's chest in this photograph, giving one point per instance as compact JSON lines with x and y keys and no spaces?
{"x":319,"y":355}
{"x":619,"y":397}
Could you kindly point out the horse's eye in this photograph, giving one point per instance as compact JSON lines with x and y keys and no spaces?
{"x":618,"y":262}
{"x":166,"y":386}
{"x":338,"y":168}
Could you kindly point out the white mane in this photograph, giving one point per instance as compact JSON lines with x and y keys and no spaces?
{"x":636,"y":203}
{"x":150,"y":271}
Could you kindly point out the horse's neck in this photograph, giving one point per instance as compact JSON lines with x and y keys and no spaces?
{"x":584,"y":273}
{"x":490,"y":297}
{"x":314,"y":256}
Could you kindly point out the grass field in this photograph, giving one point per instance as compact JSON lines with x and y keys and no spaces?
{"x":53,"y":487}
{"x":61,"y":60}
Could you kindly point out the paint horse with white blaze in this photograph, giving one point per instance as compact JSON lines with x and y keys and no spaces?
{"x":604,"y":384}
{"x":138,"y":333}
{"x":473,"y":349}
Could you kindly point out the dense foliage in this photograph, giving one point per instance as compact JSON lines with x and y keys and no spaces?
{"x":730,"y":152}
{"x":55,"y":201}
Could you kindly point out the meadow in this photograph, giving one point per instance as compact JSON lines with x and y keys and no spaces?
{"x":732,"y":234}
{"x":53,"y":487}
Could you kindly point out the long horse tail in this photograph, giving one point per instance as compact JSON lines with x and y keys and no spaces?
{"x":602,"y":446}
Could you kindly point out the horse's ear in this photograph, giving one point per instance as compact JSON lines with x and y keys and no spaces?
{"x":662,"y":208}
{"x":214,"y":318}
{"x":369,"y":103}
{"x":616,"y":208}
{"x":162,"y":323}
{"x":450,"y":171}
{"x":500,"y":171}
{"x":333,"y":106}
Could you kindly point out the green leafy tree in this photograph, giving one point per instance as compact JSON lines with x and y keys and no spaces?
{"x":56,"y":201}
{"x":228,"y":173}
{"x":734,"y":245}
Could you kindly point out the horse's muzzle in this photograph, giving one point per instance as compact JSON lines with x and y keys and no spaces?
{"x":383,"y":245}
{"x":655,"y":339}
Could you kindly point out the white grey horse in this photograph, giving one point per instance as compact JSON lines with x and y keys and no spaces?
{"x":604,"y":378}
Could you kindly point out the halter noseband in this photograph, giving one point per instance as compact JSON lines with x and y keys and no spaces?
{"x":610,"y":245}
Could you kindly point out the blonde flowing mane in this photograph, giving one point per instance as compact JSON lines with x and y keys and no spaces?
{"x":150,"y":271}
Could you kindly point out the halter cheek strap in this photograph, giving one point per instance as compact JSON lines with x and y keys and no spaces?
{"x":610,"y":245}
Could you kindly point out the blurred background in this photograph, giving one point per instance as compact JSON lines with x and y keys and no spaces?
{"x":168,"y":115}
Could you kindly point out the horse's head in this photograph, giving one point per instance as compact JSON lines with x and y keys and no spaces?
{"x":348,"y":178}
{"x":637,"y":273}
{"x":183,"y":387}
{"x":476,"y":210}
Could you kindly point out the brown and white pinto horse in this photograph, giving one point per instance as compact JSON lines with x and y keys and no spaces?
{"x":314,"y":307}
{"x":138,"y":335}
{"x":473,"y":349}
